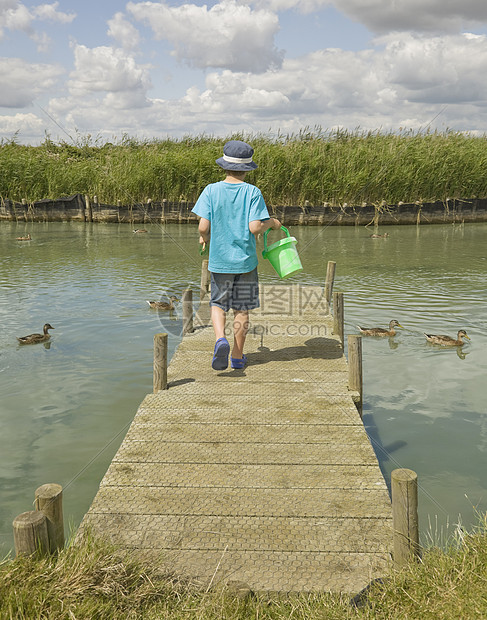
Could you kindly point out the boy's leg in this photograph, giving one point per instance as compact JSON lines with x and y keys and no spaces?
{"x":245,"y":297}
{"x":240,"y":329}
{"x":218,"y":318}
{"x":221,"y":289}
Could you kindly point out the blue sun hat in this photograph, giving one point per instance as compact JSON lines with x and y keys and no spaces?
{"x":237,"y":155}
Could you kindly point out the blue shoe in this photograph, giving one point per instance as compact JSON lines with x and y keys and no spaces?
{"x":238,"y":364}
{"x":220,"y":355}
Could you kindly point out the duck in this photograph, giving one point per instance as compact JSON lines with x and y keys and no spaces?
{"x":35,"y":338}
{"x":380,"y":331}
{"x":163,"y":305}
{"x":377,"y":236}
{"x":448,"y":341}
{"x":140,"y":230}
{"x":28,"y":238}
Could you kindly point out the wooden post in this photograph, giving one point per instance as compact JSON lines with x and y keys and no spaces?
{"x":355,"y":379}
{"x":338,"y":325}
{"x":49,"y":501}
{"x":30,"y":533}
{"x":330,"y":278}
{"x":89,"y":210}
{"x":187,"y":311}
{"x":160,"y":362}
{"x":404,"y":483}
{"x":205,"y":279}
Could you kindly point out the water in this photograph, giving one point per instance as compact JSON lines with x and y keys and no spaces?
{"x":65,"y":408}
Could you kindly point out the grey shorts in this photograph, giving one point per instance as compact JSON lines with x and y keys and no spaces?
{"x":238,"y":291}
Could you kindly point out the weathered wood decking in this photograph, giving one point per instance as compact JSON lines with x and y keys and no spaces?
{"x":263,"y":475}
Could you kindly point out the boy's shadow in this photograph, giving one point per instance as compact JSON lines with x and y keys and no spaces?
{"x":315,"y":348}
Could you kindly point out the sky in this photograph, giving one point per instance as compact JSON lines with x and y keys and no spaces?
{"x":107,"y":69}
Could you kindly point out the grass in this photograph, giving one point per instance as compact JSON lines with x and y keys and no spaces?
{"x":94,"y":580}
{"x":336,"y":167}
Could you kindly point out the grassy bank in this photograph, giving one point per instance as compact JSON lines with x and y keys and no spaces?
{"x":339,"y":167}
{"x":95,"y":580}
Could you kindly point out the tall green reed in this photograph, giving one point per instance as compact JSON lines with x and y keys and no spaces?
{"x":335,"y":167}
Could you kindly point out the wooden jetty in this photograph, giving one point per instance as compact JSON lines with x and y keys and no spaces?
{"x":264,"y":475}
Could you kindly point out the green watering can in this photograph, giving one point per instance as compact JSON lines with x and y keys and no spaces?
{"x":283,"y":255}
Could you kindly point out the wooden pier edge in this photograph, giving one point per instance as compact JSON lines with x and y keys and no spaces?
{"x":246,"y":454}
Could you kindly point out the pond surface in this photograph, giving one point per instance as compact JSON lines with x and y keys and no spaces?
{"x":65,"y":408}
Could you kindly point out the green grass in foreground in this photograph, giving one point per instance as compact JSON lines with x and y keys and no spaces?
{"x":96,"y":581}
{"x":336,"y":167}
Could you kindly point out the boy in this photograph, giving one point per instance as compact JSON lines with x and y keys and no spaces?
{"x":233,"y":213}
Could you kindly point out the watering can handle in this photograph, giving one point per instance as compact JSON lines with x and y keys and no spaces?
{"x":268,"y":231}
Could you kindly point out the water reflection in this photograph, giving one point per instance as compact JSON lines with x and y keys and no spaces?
{"x":66,"y":406}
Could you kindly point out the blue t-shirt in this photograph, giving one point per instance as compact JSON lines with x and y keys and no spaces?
{"x":230,"y":207}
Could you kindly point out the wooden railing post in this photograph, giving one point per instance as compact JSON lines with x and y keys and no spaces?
{"x":355,"y":377}
{"x":160,"y":363}
{"x":404,"y":483}
{"x":187,"y":311}
{"x":30,"y":533}
{"x":205,"y":279}
{"x":338,"y":318}
{"x":330,"y":279}
{"x":88,"y":209}
{"x":49,"y":501}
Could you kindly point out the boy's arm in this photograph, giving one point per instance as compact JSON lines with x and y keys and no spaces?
{"x":204,"y":230}
{"x":258,"y":227}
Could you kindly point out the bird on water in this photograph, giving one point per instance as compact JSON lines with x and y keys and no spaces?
{"x":380,"y":331}
{"x":448,"y":341}
{"x":163,"y":305}
{"x":35,"y":338}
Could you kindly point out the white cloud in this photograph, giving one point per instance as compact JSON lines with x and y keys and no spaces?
{"x":15,"y":16}
{"x":227,"y":35}
{"x":303,"y":6}
{"x":109,"y":70}
{"x":415,"y":15}
{"x":405,"y":81}
{"x":50,"y":12}
{"x":438,"y":69}
{"x":385,"y":15}
{"x":120,"y":29}
{"x":105,"y":88}
{"x":25,"y":81}
{"x":26,"y":125}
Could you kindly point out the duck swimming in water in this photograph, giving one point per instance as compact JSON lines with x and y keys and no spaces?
{"x":380,"y":331}
{"x":163,"y":305}
{"x":448,"y":341}
{"x":28,"y":238}
{"x":35,"y":338}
